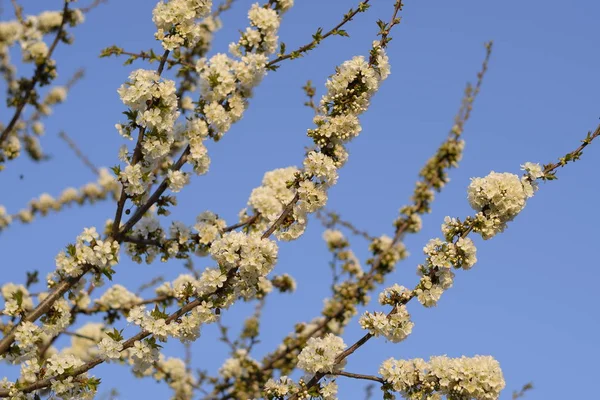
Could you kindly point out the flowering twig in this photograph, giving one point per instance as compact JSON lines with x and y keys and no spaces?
{"x":574,"y":155}
{"x":330,"y":219}
{"x":319,"y":36}
{"x":433,"y":176}
{"x":36,"y":77}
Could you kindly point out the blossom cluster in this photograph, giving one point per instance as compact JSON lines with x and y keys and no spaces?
{"x":176,"y":22}
{"x":498,"y":198}
{"x":319,"y":354}
{"x":88,"y":250}
{"x":436,"y":273}
{"x":154,"y":102}
{"x":349,"y":92}
{"x":396,"y":326}
{"x":478,"y":378}
{"x":250,"y":256}
{"x":186,"y":328}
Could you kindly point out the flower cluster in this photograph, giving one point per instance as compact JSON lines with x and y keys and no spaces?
{"x":143,"y":355}
{"x":280,"y":388}
{"x":209,"y":227}
{"x":349,"y":92}
{"x":16,"y":299}
{"x":173,"y":371}
{"x":118,"y":297}
{"x":88,"y":249}
{"x":176,"y":22}
{"x":251,"y":256}
{"x":109,"y":348}
{"x":498,"y":198}
{"x":397,"y":325}
{"x":478,"y":378}
{"x":81,"y":387}
{"x":394,"y":327}
{"x":241,"y":365}
{"x":320,"y":354}
{"x":154,"y":104}
{"x":186,"y":328}
{"x":261,"y":35}
{"x":436,"y":274}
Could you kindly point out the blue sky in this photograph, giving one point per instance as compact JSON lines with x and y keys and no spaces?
{"x":531,"y":301}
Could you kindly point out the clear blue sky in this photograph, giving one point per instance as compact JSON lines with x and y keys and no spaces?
{"x":532,"y":299}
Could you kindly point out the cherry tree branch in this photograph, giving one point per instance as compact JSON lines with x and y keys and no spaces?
{"x":36,"y":77}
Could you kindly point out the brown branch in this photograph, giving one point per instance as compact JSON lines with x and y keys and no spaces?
{"x":360,"y":376}
{"x":93,"y":5}
{"x":18,"y":11}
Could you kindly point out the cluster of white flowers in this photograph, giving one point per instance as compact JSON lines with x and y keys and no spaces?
{"x":88,"y":250}
{"x":31,"y":32}
{"x":339,"y":245}
{"x":118,"y":297}
{"x":329,"y":390}
{"x":5,"y":218}
{"x":209,"y":227}
{"x":335,"y":239}
{"x":177,"y":180}
{"x":106,"y":185}
{"x":396,"y":327}
{"x":226,"y":83}
{"x":252,"y":256}
{"x":500,"y":197}
{"x":148,"y":228}
{"x":28,"y":336}
{"x":261,"y":35}
{"x":272,"y":196}
{"x":186,"y":328}
{"x":275,"y":389}
{"x":241,"y":365}
{"x":319,"y":354}
{"x":196,"y":131}
{"x":58,"y":318}
{"x":142,"y":356}
{"x":176,"y":22}
{"x":155,"y":103}
{"x":478,"y":378}
{"x":442,"y":254}
{"x":16,"y":299}
{"x":173,"y":370}
{"x":441,"y":257}
{"x":388,"y":252}
{"x":109,"y":348}
{"x":349,"y":93}
{"x":68,"y":388}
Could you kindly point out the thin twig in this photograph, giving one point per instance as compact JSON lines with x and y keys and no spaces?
{"x":311,"y":45}
{"x":63,"y":135}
